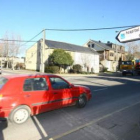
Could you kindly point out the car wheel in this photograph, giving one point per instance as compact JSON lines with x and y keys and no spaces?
{"x":123,"y":74}
{"x":20,"y":115}
{"x":82,"y":101}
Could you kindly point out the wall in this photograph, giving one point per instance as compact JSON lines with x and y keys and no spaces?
{"x":31,"y":57}
{"x":111,"y":65}
{"x":87,"y":60}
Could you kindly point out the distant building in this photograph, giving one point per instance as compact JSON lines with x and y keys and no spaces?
{"x":17,"y":60}
{"x":110,"y":53}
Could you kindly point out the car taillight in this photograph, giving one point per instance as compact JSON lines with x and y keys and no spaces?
{"x":1,"y":97}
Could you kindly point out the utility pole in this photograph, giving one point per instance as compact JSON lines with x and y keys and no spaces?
{"x":42,"y":53}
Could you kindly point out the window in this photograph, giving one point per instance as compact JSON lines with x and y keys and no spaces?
{"x":111,"y":54}
{"x":2,"y":81}
{"x":89,"y":45}
{"x":92,"y":45}
{"x":33,"y":84}
{"x":58,"y":83}
{"x":127,"y":63}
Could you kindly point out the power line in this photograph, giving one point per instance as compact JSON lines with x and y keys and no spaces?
{"x":92,"y":29}
{"x":22,"y":40}
{"x":108,"y":28}
{"x":32,"y":38}
{"x":11,"y":44}
{"x":16,"y":40}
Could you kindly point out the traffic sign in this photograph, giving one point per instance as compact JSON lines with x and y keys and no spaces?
{"x":128,"y":35}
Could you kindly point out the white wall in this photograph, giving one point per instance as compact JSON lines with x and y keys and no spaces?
{"x":87,"y":60}
{"x":111,"y":65}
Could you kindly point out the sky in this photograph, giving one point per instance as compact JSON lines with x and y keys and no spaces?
{"x":27,"y":18}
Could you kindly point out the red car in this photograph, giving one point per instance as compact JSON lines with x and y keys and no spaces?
{"x":25,"y":95}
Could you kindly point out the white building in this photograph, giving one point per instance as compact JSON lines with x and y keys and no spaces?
{"x":86,"y":57}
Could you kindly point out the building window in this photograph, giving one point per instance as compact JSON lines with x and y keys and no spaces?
{"x":111,"y":54}
{"x":89,"y":45}
{"x":92,"y":45}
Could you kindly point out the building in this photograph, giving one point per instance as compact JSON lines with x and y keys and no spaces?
{"x":110,"y":53}
{"x":88,"y":58}
{"x":11,"y":61}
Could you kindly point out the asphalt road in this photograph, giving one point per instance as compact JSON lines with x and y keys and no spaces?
{"x":112,"y":114}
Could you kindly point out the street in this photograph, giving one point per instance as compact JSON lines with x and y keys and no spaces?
{"x":112,"y":114}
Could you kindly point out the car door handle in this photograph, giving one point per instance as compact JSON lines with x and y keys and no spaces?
{"x":55,"y":93}
{"x":28,"y":95}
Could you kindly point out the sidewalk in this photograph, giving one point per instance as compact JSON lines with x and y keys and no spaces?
{"x":65,"y":74}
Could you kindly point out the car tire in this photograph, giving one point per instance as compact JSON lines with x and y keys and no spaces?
{"x":20,"y":114}
{"x":123,"y":74}
{"x":81,"y":102}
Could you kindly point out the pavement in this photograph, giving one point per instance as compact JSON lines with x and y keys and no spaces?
{"x":118,"y":73}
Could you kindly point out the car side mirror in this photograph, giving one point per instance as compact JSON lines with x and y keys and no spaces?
{"x":71,"y":86}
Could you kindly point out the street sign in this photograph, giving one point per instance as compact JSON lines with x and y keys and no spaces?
{"x":128,"y":35}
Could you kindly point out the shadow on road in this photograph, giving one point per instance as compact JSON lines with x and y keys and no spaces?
{"x":3,"y":125}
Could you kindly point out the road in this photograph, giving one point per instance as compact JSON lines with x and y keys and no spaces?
{"x":112,"y":114}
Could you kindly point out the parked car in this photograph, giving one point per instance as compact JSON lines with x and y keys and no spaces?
{"x":0,"y":70}
{"x":25,"y":95}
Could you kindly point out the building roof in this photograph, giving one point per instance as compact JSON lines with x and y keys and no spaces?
{"x":101,"y":46}
{"x":69,"y":47}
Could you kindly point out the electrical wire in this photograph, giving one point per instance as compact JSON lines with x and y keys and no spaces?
{"x":32,"y":38}
{"x":16,"y":40}
{"x":108,"y":28}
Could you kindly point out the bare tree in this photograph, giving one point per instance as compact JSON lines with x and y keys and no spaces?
{"x":87,"y":61}
{"x":133,"y":50}
{"x":10,"y":47}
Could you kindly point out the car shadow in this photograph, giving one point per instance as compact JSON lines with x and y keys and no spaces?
{"x":3,"y":125}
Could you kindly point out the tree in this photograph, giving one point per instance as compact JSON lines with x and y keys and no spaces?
{"x":61,"y":58}
{"x":133,"y":50}
{"x":10,"y":48}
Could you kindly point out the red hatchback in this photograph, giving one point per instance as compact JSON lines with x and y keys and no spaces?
{"x":25,"y":95}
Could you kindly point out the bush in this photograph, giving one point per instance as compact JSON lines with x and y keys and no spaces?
{"x":20,"y":66}
{"x":77,"y":68}
{"x":105,"y":69}
{"x":71,"y":71}
{"x":52,"y":69}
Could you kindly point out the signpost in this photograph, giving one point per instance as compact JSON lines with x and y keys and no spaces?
{"x":128,"y":35}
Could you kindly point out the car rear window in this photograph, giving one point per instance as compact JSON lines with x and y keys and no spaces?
{"x":33,"y":84}
{"x":3,"y":80}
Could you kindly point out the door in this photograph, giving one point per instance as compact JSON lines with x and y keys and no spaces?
{"x":37,"y":95}
{"x":63,"y":93}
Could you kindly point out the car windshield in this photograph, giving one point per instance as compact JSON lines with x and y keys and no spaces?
{"x":3,"y":80}
{"x":127,"y":63}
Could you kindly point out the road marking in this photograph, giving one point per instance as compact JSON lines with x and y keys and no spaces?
{"x":100,"y":89}
{"x":91,"y":122}
{"x":40,"y":127}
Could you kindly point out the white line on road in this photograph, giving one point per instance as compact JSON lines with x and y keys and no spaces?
{"x":40,"y":127}
{"x":100,"y":89}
